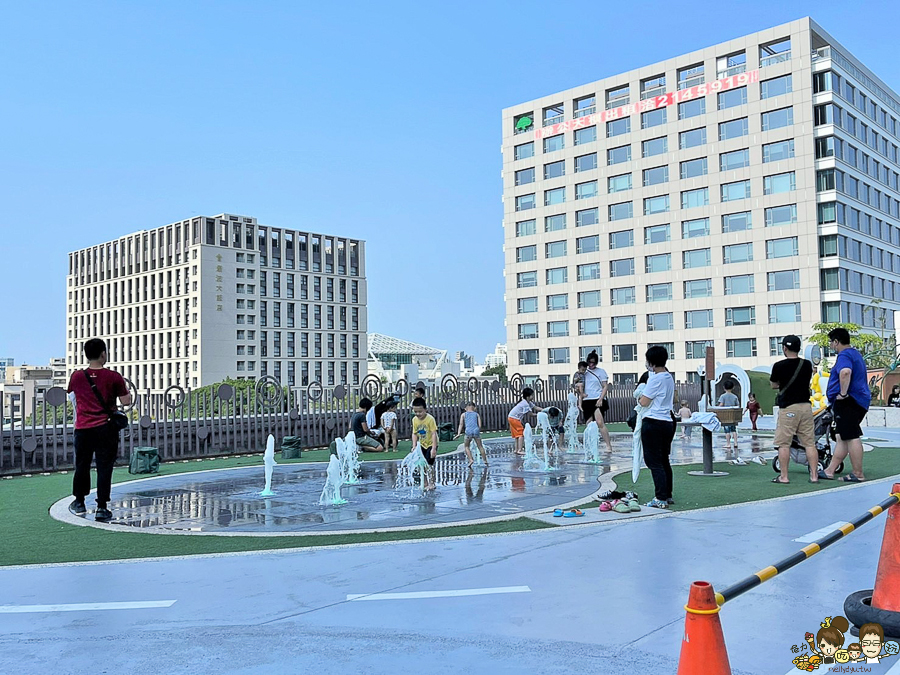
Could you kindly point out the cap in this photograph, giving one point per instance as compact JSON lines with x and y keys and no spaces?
{"x":792,"y":342}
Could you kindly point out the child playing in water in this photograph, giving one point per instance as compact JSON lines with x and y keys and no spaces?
{"x":685,"y":414}
{"x":470,"y":423}
{"x":517,"y":416}
{"x":425,"y":436}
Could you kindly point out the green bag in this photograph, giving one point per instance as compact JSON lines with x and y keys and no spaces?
{"x":291,"y":447}
{"x":446,"y":431}
{"x":144,"y":460}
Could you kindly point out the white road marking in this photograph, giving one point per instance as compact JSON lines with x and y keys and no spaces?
{"x":439,"y":594}
{"x":84,"y":606}
{"x":818,"y":534}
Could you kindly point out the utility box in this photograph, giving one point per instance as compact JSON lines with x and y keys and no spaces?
{"x":291,"y":447}
{"x":144,"y":460}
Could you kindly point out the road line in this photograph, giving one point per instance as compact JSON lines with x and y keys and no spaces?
{"x":85,"y":606}
{"x":821,"y":532}
{"x":438,"y":594}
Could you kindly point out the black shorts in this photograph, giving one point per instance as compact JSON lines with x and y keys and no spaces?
{"x":426,"y":453}
{"x":848,"y":414}
{"x":589,"y":405}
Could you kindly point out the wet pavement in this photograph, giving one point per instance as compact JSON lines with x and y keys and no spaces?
{"x":228,"y":501}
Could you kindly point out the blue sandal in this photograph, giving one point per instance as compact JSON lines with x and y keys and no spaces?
{"x":557,"y":513}
{"x":574,"y":513}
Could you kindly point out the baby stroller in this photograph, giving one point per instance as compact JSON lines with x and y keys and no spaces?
{"x":823,"y":434}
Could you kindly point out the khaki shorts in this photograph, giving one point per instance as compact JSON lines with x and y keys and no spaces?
{"x":796,"y":419}
{"x":367,"y":442}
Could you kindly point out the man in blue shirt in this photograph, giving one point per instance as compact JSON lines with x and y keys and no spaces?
{"x":848,"y":392}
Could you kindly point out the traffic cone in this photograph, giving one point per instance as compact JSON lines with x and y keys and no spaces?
{"x":703,"y":644}
{"x":887,"y":580}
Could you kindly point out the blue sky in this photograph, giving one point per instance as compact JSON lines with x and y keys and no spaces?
{"x":377,"y":121}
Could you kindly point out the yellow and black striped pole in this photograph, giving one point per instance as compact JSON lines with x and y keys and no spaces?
{"x":805,"y":553}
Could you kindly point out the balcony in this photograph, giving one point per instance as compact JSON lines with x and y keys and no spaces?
{"x":774,"y":58}
{"x":821,"y":53}
{"x":618,"y":101}
{"x":734,"y":70}
{"x":590,"y":110}
{"x":691,"y":82}
{"x":553,"y":120}
{"x":655,"y":91}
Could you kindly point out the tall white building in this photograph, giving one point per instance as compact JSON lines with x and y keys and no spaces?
{"x":725,"y":197}
{"x":498,"y":358}
{"x":204,"y":299}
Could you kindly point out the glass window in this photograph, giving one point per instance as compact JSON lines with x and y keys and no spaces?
{"x":693,"y":168}
{"x":692,"y":138}
{"x":554,"y":143}
{"x":554,"y":170}
{"x":696,"y":349}
{"x":694,"y":198}
{"x":617,"y":97}
{"x":781,"y":215}
{"x":528,"y":331}
{"x":698,"y":257}
{"x":587,"y":217}
{"x":786,"y":280}
{"x":738,"y":253}
{"x":525,"y":202}
{"x":742,"y":348}
{"x":619,"y":183}
{"x":656,"y":234}
{"x":526,"y":305}
{"x":618,"y":127}
{"x":661,"y":321}
{"x":786,"y":312}
{"x":586,"y":162}
{"x":586,"y":190}
{"x":622,"y":296}
{"x":558,"y":355}
{"x":525,"y":227}
{"x":526,"y":253}
{"x":621,"y":239}
{"x":658,"y":263}
{"x":781,"y":248}
{"x":624,"y":353}
{"x":525,"y":150}
{"x":738,"y":159}
{"x":831,"y":279}
{"x":588,"y":244}
{"x":586,"y":135}
{"x":775,"y":87}
{"x":621,"y":268}
{"x":618,"y":155}
{"x":526,"y":279}
{"x":589,"y":326}
{"x":654,"y":146}
{"x":824,"y":180}
{"x":733,"y":129}
{"x":780,"y":182}
{"x":732,"y":98}
{"x":776,"y":119}
{"x":624,"y":324}
{"x":589,"y":271}
{"x":557,"y":329}
{"x":773,"y":152}
{"x":525,"y":176}
{"x":695,"y":228}
{"x":588,"y":299}
{"x":740,"y":316}
{"x":734,"y":191}
{"x":691,"y":108}
{"x":659,"y":292}
{"x":698,"y":318}
{"x":557,"y":275}
{"x":556,"y":302}
{"x":528,"y":357}
{"x":774,"y":52}
{"x":555,"y":249}
{"x":659,"y":204}
{"x":656,"y":175}
{"x":653,"y":118}
{"x":620,"y":211}
{"x":554,"y":223}
{"x":554,"y":196}
{"x":698,"y":288}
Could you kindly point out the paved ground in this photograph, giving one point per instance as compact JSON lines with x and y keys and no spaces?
{"x":601,"y":599}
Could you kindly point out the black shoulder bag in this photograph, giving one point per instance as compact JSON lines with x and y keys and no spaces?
{"x":115,"y":417}
{"x":790,"y":382}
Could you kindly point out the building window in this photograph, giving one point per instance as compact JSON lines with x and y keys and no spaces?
{"x":586,"y":162}
{"x":555,"y":249}
{"x":732,"y":98}
{"x":526,"y":305}
{"x":555,"y":223}
{"x":558,"y":355}
{"x":696,"y":349}
{"x":524,"y":151}
{"x":621,"y":211}
{"x":528,"y":331}
{"x":525,"y":202}
{"x":619,"y":183}
{"x":557,"y":329}
{"x":557,"y":275}
{"x":692,"y":108}
{"x":587,"y":135}
{"x":695,"y":228}
{"x":618,"y":127}
{"x":526,"y":253}
{"x":781,"y":182}
{"x":733,"y":129}
{"x":739,"y":285}
{"x":528,"y":357}
{"x":743,"y":348}
{"x":781,"y":248}
{"x":553,"y":170}
{"x":738,"y":253}
{"x":554,"y":143}
{"x":525,"y":228}
{"x":692,"y":138}
{"x":618,"y":155}
{"x":772,"y":53}
{"x":587,"y":217}
{"x":587,"y":244}
{"x":694,"y":198}
{"x":624,"y":324}
{"x":738,"y":159}
{"x":589,"y":326}
{"x":526,"y":280}
{"x":653,"y":118}
{"x":774,"y":152}
{"x":624,"y":353}
{"x":623,"y":296}
{"x":698,"y":288}
{"x":656,"y":176}
{"x":699,"y":257}
{"x":588,"y":299}
{"x":698,"y":318}
{"x":776,"y":119}
{"x":661,"y":321}
{"x":658,"y":263}
{"x":654,"y":146}
{"x":693,"y":168}
{"x":787,"y":280}
{"x":659,"y":292}
{"x":736,"y":222}
{"x":659,"y":204}
{"x":782,"y":215}
{"x":586,"y":190}
{"x":656,"y":234}
{"x":554,"y":196}
{"x":617,"y":97}
{"x":740,"y":316}
{"x":524,"y":176}
{"x":621,"y":268}
{"x":557,"y":302}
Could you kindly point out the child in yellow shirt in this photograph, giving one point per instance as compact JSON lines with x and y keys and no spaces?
{"x":425,"y":437}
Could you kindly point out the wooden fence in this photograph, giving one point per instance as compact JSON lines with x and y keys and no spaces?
{"x":220,"y":421}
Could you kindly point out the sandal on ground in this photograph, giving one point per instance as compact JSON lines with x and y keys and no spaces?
{"x":851,"y":478}
{"x":621,"y":506}
{"x":605,"y":506}
{"x":574,"y":513}
{"x":778,"y":480}
{"x":557,"y":513}
{"x":824,"y":476}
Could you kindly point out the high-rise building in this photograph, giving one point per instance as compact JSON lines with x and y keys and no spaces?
{"x":208,"y":298}
{"x":4,"y":364}
{"x":467,"y":360}
{"x":725,"y":197}
{"x":498,"y":358}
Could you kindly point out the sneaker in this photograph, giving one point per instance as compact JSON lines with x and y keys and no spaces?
{"x":633,"y":505}
{"x":631,"y":495}
{"x":102,"y":514}
{"x":621,"y":507}
{"x":656,"y":504}
{"x":77,"y":507}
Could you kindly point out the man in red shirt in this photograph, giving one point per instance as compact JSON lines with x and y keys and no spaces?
{"x":95,"y":435}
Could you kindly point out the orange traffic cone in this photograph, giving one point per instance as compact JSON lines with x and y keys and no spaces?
{"x":703,"y":645}
{"x":887,"y":580}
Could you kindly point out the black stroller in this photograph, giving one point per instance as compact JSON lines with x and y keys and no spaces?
{"x":823,"y":434}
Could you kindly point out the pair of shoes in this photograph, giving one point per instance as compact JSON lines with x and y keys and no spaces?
{"x":633,"y":505}
{"x":758,"y":460}
{"x":621,"y":507}
{"x":824,"y":476}
{"x":851,"y":478}
{"x":102,"y":514}
{"x":77,"y":507}
{"x":557,"y":513}
{"x":657,"y":504}
{"x":606,"y":506}
{"x":574,"y":513}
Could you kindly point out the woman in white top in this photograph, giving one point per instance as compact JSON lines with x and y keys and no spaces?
{"x":658,"y":425}
{"x":594,"y":402}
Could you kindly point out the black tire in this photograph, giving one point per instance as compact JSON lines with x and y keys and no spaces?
{"x":839,"y":469}
{"x":859,"y":611}
{"x":776,"y":465}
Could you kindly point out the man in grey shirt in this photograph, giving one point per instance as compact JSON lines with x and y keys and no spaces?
{"x":729,"y":400}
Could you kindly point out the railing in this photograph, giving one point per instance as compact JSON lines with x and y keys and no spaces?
{"x":734,"y":70}
{"x":618,"y":101}
{"x":227,"y":420}
{"x":590,"y":110}
{"x":553,"y":120}
{"x":775,"y":58}
{"x":821,"y":53}
{"x":656,"y":91}
{"x":691,"y":82}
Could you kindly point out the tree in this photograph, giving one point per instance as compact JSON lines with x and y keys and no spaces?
{"x":872,"y":347}
{"x":499,"y":370}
